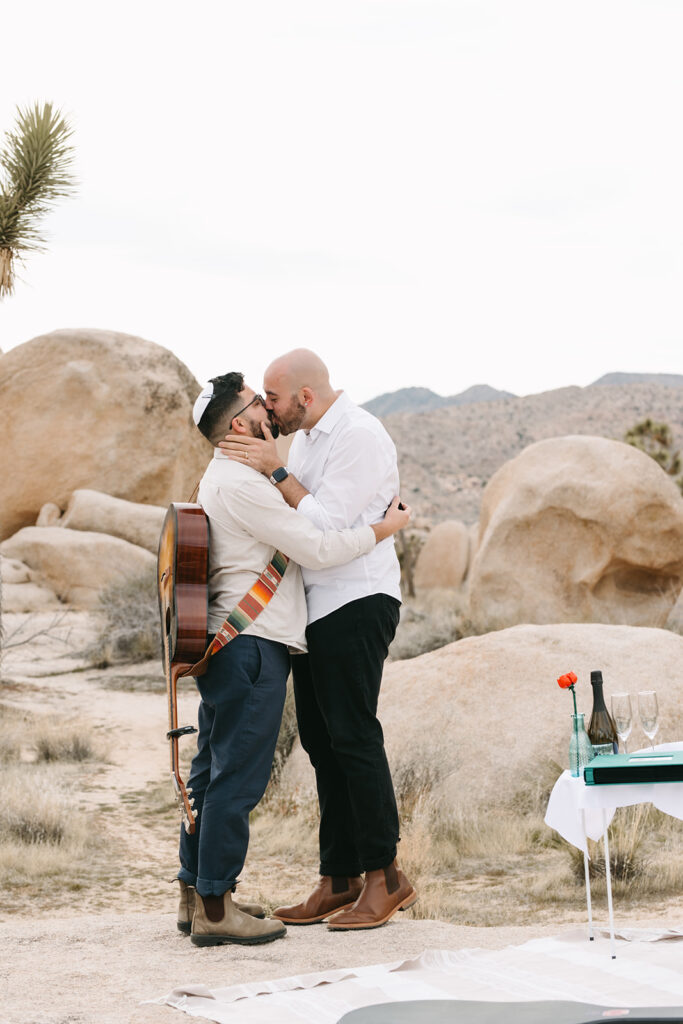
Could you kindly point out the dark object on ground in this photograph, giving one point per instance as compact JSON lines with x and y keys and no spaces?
{"x":457,"y":1011}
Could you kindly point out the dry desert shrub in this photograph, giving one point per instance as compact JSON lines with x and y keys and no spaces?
{"x":130,"y":628}
{"x":431,"y":620}
{"x":70,"y":741}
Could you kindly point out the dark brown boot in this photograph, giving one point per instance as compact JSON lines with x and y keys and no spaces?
{"x":331,"y":894}
{"x":385,"y":891}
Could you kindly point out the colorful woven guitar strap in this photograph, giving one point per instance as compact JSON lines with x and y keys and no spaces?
{"x":252,"y":604}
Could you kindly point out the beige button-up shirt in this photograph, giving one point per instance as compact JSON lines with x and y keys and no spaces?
{"x":248,"y":520}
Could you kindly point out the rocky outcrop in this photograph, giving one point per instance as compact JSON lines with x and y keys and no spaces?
{"x":49,"y":515}
{"x":95,"y":512}
{"x":444,"y":556}
{"x":98,"y":410}
{"x":578,"y":529}
{"x":485,"y":718}
{"x":75,"y":564}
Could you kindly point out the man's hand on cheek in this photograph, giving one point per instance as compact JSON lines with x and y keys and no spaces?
{"x":253,"y":451}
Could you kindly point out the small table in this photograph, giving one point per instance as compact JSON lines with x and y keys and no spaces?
{"x":578,"y":812}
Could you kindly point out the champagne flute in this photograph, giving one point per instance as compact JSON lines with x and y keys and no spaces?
{"x":649,"y":713}
{"x":622,"y":713}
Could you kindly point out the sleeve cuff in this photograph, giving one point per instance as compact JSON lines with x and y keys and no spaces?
{"x":310,"y":508}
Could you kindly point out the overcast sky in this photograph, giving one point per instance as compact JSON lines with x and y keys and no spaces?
{"x":425,"y":192}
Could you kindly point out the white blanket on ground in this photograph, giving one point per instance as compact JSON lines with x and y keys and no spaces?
{"x":647,"y":972}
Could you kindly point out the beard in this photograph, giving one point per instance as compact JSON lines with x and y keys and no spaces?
{"x":257,"y":429}
{"x":291,"y":419}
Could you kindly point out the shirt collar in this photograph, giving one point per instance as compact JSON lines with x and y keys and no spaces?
{"x":329,"y":420}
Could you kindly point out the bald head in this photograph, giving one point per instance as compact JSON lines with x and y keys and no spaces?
{"x":298,"y":390}
{"x":300,"y":368}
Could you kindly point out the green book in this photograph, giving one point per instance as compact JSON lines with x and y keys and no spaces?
{"x":618,"y":769}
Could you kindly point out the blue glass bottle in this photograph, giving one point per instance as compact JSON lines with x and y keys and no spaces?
{"x":580,"y":747}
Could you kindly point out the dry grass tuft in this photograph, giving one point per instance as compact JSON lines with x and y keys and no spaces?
{"x":35,"y":811}
{"x":65,"y":743}
{"x":645,"y":852}
{"x":30,"y":738}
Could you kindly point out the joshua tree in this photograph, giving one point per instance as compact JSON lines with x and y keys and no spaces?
{"x":36,"y":172}
{"x":656,"y":440}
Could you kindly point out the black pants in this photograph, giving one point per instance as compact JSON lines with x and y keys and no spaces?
{"x":336,"y":686}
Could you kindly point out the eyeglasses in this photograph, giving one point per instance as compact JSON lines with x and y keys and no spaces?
{"x":256,"y":398}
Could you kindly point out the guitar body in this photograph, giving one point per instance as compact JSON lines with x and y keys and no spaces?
{"x":182,"y":579}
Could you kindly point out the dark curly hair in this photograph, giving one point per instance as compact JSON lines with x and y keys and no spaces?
{"x":225,"y":402}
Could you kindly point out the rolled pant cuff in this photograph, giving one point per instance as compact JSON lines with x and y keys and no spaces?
{"x":380,"y":862}
{"x":185,"y":876}
{"x":207,"y":887}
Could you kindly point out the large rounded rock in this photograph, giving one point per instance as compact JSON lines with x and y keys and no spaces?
{"x":99,"y":410}
{"x":484,"y":721}
{"x":444,"y":556}
{"x":578,"y":529}
{"x":77,"y":565}
{"x":100,"y":513}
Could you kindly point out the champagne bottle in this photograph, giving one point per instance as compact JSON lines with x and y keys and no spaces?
{"x":601,"y":730}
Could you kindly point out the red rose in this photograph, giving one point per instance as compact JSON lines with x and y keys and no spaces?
{"x":567,"y":680}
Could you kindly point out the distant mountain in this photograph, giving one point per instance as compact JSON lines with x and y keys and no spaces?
{"x":422,"y":399}
{"x":671,"y":380}
{"x":447,"y":455}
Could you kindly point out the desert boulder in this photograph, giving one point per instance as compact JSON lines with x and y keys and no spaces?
{"x":98,"y":410}
{"x":578,"y":529}
{"x":444,"y":557}
{"x":100,"y":513}
{"x":75,"y":564}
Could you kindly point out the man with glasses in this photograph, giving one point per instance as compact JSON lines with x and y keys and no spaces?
{"x":243,"y":689}
{"x":342,"y":472}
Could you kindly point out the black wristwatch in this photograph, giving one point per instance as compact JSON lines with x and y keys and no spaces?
{"x":279,"y":475}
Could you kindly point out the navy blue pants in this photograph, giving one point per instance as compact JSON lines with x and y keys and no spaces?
{"x":243,"y":693}
{"x":336,"y":686}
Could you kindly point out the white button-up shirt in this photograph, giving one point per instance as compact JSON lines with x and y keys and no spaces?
{"x":248,"y":520}
{"x":347,"y":462}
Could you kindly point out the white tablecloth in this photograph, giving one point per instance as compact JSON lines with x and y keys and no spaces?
{"x":571,"y":796}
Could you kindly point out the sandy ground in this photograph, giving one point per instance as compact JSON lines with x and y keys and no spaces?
{"x":94,"y":955}
{"x":100,"y":968}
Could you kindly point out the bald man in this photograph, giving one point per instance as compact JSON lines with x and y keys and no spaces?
{"x":341,"y":472}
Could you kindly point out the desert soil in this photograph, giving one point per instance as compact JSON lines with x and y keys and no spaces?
{"x":94,"y":950}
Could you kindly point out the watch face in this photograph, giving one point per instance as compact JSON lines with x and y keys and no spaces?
{"x":280,"y":474}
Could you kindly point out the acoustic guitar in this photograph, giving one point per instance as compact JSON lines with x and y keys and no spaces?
{"x":182,"y":579}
